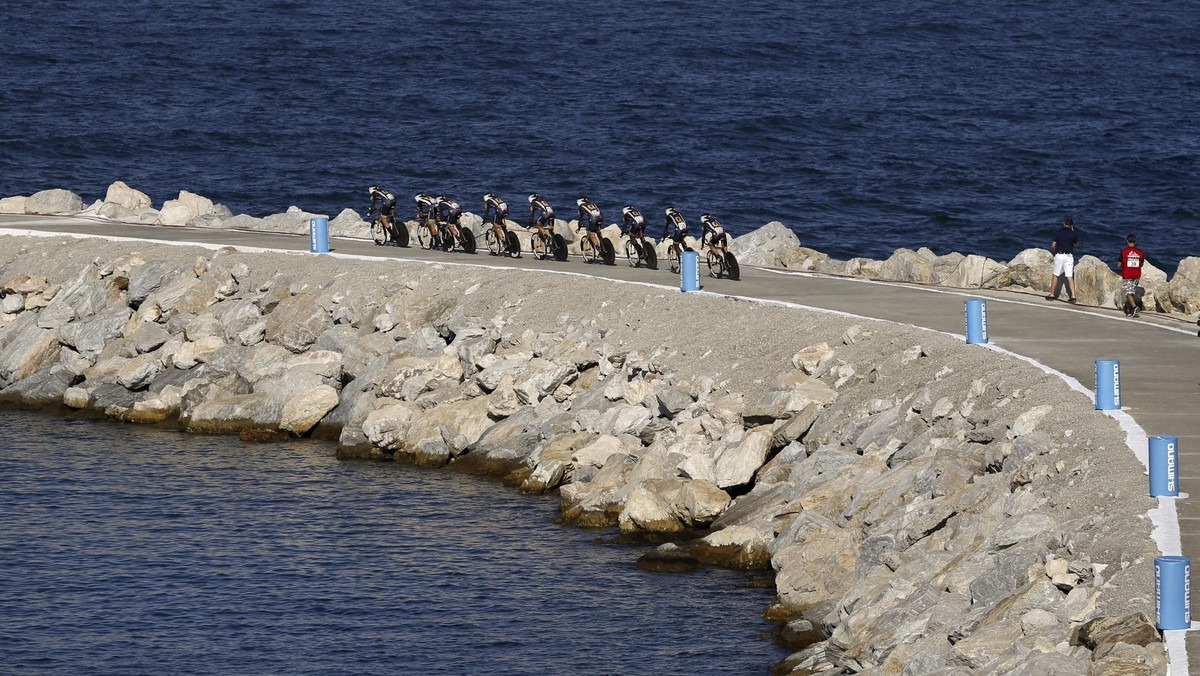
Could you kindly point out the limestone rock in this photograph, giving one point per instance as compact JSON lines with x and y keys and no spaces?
{"x":906,"y":265}
{"x":297,"y":322}
{"x":55,"y":201}
{"x":295,"y":220}
{"x":24,"y":284}
{"x":349,"y":224}
{"x":302,"y":412}
{"x":1096,"y":284}
{"x":813,"y":358}
{"x":184,"y":208}
{"x":387,"y":426}
{"x":29,"y":351}
{"x":1134,"y":629}
{"x":736,"y":465}
{"x":762,"y":246}
{"x":122,"y":195}
{"x":973,"y":272}
{"x":137,"y":373}
{"x":14,"y":204}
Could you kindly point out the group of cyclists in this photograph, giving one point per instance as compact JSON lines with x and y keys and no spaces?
{"x":441,"y":216}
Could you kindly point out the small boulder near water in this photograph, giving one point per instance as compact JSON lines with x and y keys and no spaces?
{"x":761,"y":246}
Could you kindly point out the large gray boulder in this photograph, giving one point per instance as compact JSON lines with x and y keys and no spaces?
{"x":906,"y":265}
{"x":1097,"y":284}
{"x":120,"y":194}
{"x":1182,"y":293}
{"x":29,"y":351}
{"x":295,"y":220}
{"x":762,"y":246}
{"x":297,"y":322}
{"x":55,"y":201}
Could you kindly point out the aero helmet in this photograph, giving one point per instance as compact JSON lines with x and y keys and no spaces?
{"x":581,"y":201}
{"x":533,"y":197}
{"x":489,"y":196}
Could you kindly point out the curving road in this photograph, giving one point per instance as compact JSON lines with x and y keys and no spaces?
{"x":1160,"y":357}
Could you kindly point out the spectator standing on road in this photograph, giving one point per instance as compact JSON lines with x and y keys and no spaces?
{"x":1063,"y":245}
{"x":1131,"y":271}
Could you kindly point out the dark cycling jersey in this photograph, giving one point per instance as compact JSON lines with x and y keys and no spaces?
{"x":675,"y":220}
{"x":386,"y":200}
{"x":590,"y":216}
{"x":543,"y":211}
{"x":713,"y":230}
{"x":633,"y":223}
{"x":449,"y":211}
{"x":500,"y":207}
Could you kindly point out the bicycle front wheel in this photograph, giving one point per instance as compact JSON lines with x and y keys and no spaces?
{"x":378,"y":233}
{"x":715,"y":265}
{"x":424,"y":237}
{"x":673,"y":260}
{"x":632,"y":253}
{"x":541,"y":246}
{"x":589,"y":251}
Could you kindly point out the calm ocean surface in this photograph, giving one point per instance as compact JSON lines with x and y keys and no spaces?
{"x":972,"y":126}
{"x":125,"y":550}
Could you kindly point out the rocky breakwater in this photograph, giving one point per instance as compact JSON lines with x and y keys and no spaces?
{"x":772,"y":245}
{"x":925,"y":506}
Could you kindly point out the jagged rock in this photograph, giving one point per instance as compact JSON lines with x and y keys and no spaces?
{"x":1096,"y":284}
{"x":973,"y":272}
{"x":122,"y":195}
{"x":762,"y":246}
{"x":805,"y":259}
{"x":12,"y":303}
{"x":302,"y":412}
{"x":814,"y":358}
{"x":644,"y":510}
{"x":349,"y":224}
{"x":45,"y":388}
{"x":539,"y":378}
{"x":1182,"y":293}
{"x":148,"y":337}
{"x":24,"y":284}
{"x":736,"y":465}
{"x":387,"y":426}
{"x":137,"y":373}
{"x":1134,"y":629}
{"x":56,"y":201}
{"x":814,"y":564}
{"x":184,"y":208}
{"x":297,"y":322}
{"x":906,"y":265}
{"x":1123,"y":659}
{"x":28,"y":351}
{"x":545,"y":477}
{"x":295,"y":220}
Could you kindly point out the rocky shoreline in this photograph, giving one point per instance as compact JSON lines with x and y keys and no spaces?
{"x":773,"y":245}
{"x":925,"y":506}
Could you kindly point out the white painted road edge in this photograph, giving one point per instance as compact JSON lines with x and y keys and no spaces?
{"x":1164,"y":517}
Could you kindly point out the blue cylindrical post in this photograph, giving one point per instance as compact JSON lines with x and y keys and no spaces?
{"x":689,"y":271}
{"x":1173,"y":592}
{"x":1164,"y":465}
{"x":318,"y":235}
{"x":976,"y":320}
{"x":1108,"y":385}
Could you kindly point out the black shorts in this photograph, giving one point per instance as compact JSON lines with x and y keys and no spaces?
{"x":636,"y":231}
{"x":718,"y":240}
{"x":678,"y":236}
{"x":500,"y":217}
{"x":594,"y":227}
{"x":452,"y":216}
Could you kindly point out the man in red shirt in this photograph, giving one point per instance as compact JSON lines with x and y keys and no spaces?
{"x":1130,"y":263}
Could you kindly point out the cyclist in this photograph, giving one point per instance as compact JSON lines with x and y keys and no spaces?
{"x":677,"y":228}
{"x":426,"y":216}
{"x":493,"y":203}
{"x":384,"y":203}
{"x":544,"y":213}
{"x":449,"y":212}
{"x":634,"y":225}
{"x":715,"y":234}
{"x":590,"y":218}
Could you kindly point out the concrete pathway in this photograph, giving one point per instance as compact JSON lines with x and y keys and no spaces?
{"x":1160,"y":357}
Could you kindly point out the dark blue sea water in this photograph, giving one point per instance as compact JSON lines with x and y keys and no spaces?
{"x":968,"y":125}
{"x":127,"y":551}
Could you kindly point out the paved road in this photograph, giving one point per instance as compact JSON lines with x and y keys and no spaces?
{"x":1160,"y":358}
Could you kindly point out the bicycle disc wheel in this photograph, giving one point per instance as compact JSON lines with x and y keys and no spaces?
{"x":560,"y":248}
{"x":514,"y":244}
{"x":468,"y":239}
{"x":731,"y":267}
{"x":651,"y":256}
{"x":607,"y":252}
{"x":378,"y":233}
{"x":402,"y":235}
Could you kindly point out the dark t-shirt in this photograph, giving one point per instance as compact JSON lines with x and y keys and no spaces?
{"x":1065,"y":241}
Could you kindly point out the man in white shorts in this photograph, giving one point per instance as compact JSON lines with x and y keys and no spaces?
{"x":1063,"y":245}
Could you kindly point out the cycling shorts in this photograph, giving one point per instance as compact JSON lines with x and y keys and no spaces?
{"x":678,"y":236}
{"x":594,"y":226}
{"x":718,"y":240}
